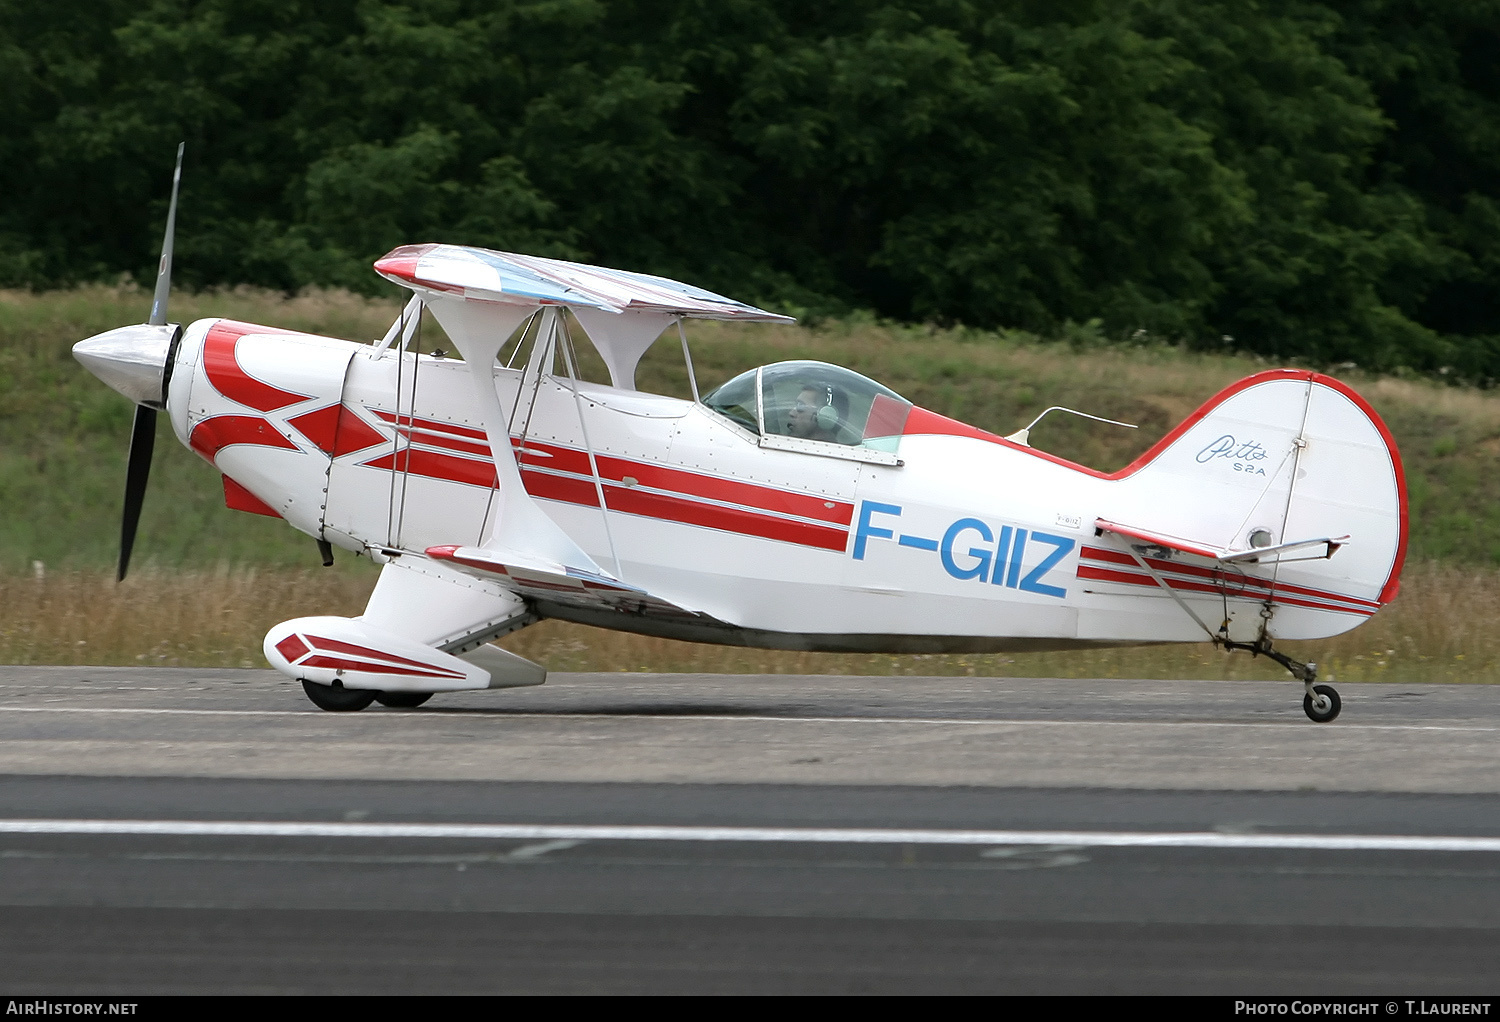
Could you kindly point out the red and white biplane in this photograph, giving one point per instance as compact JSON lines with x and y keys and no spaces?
{"x":799,"y":505}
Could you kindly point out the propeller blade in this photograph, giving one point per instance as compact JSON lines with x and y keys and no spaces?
{"x":142,"y":441}
{"x":164,"y":268}
{"x":143,"y":432}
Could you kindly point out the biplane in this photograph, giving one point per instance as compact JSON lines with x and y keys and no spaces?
{"x":798,"y":505}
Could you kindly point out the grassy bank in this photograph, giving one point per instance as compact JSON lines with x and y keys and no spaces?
{"x":63,"y":439}
{"x":63,"y":435}
{"x":1437,"y":631}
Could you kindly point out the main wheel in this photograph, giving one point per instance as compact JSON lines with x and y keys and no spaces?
{"x":402,"y":700}
{"x":338,"y":699}
{"x":1323,"y":705}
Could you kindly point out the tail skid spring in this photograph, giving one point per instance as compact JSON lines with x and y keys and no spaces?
{"x":1321,"y":703}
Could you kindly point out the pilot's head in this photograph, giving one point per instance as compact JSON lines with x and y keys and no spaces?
{"x":819,"y":412}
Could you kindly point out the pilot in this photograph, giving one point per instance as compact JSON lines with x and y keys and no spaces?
{"x":819,"y":413}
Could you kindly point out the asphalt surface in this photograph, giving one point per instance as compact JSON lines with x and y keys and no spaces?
{"x":737,"y":908}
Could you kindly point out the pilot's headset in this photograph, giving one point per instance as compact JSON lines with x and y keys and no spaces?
{"x":827,"y":415}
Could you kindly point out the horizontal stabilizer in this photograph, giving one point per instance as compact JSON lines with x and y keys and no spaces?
{"x":532,"y":580}
{"x":1162,"y":539}
{"x":1329,"y":545}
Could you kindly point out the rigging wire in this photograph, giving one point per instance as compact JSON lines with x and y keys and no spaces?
{"x":390,"y":507}
{"x":569,"y":360}
{"x":411,"y":420}
{"x":688,"y":358}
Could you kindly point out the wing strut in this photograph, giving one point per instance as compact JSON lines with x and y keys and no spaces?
{"x":520,"y":530}
{"x":570,"y":362}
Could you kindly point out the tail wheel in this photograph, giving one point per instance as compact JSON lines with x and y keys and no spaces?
{"x":336,"y":698}
{"x":1322,"y":704}
{"x":402,"y":700}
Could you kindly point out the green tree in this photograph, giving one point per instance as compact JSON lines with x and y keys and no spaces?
{"x":1300,"y":177}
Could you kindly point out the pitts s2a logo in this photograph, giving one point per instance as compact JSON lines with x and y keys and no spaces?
{"x":994,"y":559}
{"x":1243,"y":455}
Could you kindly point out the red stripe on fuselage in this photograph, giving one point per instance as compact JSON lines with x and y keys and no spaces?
{"x":1086,"y":571}
{"x":422,"y":436}
{"x":563,"y":488}
{"x":632,"y":501}
{"x":726,"y":519}
{"x":337,"y":430}
{"x":1227,"y":577}
{"x":439,"y":466}
{"x":551,"y":456}
{"x":211,"y":436}
{"x":221,"y":363}
{"x":690,"y":484}
{"x":436,"y":425}
{"x":730,"y":491}
{"x":760,"y":514}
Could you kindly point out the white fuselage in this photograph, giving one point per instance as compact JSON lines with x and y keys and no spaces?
{"x":968,"y":543}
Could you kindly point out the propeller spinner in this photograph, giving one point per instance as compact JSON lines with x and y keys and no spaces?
{"x":137,"y":362}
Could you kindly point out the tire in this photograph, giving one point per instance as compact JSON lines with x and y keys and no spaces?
{"x":402,"y":700}
{"x":1332,"y":711}
{"x":336,"y":698}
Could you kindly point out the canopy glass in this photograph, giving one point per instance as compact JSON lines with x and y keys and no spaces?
{"x":813,"y":401}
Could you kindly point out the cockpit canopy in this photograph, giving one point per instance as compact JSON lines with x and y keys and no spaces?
{"x":813,"y":401}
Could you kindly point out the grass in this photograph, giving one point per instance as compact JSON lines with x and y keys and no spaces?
{"x":1438,"y":630}
{"x":63,"y":435}
{"x":213,"y":580}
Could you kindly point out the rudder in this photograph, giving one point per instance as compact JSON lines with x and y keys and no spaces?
{"x":1281,"y":456}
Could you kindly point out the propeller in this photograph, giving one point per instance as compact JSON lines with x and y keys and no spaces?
{"x":143,"y":431}
{"x":137,"y":362}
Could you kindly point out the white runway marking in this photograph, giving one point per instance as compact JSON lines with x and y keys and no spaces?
{"x":441,"y":715}
{"x":556,"y":835}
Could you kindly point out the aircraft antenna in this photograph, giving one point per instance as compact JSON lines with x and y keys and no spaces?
{"x":1023,"y":436}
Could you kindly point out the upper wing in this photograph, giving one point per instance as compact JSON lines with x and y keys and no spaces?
{"x":623,"y":313}
{"x":480,"y":297}
{"x":478,"y":273}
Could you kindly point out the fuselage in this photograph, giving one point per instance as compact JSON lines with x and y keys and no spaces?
{"x":960,"y":541}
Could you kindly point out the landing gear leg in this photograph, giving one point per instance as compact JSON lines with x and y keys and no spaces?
{"x":1320,"y":702}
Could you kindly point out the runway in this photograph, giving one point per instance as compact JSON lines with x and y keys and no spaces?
{"x":208,"y":831}
{"x":775,"y":729}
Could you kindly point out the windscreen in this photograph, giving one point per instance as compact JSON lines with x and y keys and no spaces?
{"x":735,"y":400}
{"x":814,"y":401}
